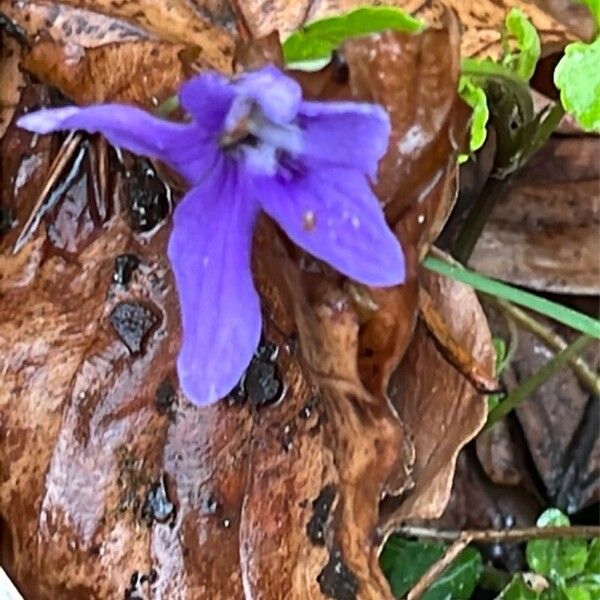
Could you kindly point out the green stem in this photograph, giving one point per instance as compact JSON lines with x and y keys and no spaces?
{"x":562,"y":314}
{"x":552,"y":340}
{"x":478,"y":216}
{"x":530,"y":385}
{"x":168,"y":106}
{"x":545,"y":130}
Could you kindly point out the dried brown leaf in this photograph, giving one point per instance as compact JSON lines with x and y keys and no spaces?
{"x":543,"y":232}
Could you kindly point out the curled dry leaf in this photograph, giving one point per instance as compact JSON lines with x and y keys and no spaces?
{"x":553,"y":248}
{"x":482,"y":20}
{"x":113,"y":484}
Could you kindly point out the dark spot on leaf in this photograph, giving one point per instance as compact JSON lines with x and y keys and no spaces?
{"x":157,"y":506}
{"x":321,"y":508}
{"x":132,"y":322}
{"x":261,"y":384}
{"x":339,"y":68}
{"x":148,"y":200}
{"x":211,"y":505}
{"x":6,"y":220}
{"x":125,"y":265}
{"x":336,"y":580}
{"x":165,"y":398}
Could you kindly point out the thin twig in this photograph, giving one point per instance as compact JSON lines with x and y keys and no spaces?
{"x":56,"y":168}
{"x":551,"y":339}
{"x":531,"y":384}
{"x":493,"y":536}
{"x":438,"y":567}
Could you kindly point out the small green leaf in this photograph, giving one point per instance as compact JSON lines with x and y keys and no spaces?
{"x":320,"y":38}
{"x":404,"y":562}
{"x":593,"y":562}
{"x":474,"y":95}
{"x":577,"y":76}
{"x":518,"y":589}
{"x":558,"y":559}
{"x":528,"y":44}
{"x":589,"y":584}
{"x":594,"y":6}
{"x":500,"y":349}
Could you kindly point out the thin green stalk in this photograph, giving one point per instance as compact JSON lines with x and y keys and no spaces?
{"x":552,"y":340}
{"x":477,"y":218}
{"x":562,"y":314}
{"x":530,"y":385}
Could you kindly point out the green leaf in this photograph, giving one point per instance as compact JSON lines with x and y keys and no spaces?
{"x":577,"y":76}
{"x":320,"y":38}
{"x":500,"y":349}
{"x":594,"y":6}
{"x":528,"y":44}
{"x":558,"y":559}
{"x":404,"y":562}
{"x":584,"y":584}
{"x":518,"y":589}
{"x":474,"y":95}
{"x":593,"y":563}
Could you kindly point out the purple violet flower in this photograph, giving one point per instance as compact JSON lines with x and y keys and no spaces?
{"x":252,"y":143}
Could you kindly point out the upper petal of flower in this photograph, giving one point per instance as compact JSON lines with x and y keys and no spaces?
{"x":346,"y":134}
{"x":182,"y":146}
{"x":208,"y":98}
{"x":278,"y":95}
{"x":333,"y":214}
{"x":210,"y":249}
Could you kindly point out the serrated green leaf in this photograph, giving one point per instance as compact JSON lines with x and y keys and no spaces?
{"x":577,"y":593}
{"x":527,"y":40}
{"x":592,"y":565}
{"x":405,"y":561}
{"x":474,"y":95}
{"x":318,"y":39}
{"x":558,"y":559}
{"x":594,"y":6}
{"x":517,"y":589}
{"x":577,"y":76}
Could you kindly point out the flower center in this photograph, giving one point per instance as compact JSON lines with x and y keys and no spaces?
{"x":258,"y":142}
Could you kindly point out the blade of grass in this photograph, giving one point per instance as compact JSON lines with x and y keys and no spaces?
{"x":536,"y":380}
{"x":562,"y":314}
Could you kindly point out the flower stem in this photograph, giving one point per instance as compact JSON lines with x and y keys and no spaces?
{"x":530,"y":385}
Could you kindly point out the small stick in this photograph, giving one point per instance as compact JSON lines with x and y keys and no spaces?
{"x":56,"y":168}
{"x":438,"y":567}
{"x":492,"y":536}
{"x":461,"y":539}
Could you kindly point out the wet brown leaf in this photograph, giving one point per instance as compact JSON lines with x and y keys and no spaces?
{"x":543,"y":232}
{"x":129,"y":489}
{"x":440,"y":408}
{"x":559,"y":422}
{"x":131,"y":51}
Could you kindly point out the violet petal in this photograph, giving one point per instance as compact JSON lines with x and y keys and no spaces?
{"x":210,"y":250}
{"x":345,"y":134}
{"x":333,"y":214}
{"x":182,"y":146}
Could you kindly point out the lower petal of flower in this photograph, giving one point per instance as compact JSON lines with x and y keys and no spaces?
{"x":210,"y":250}
{"x":333,"y":214}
